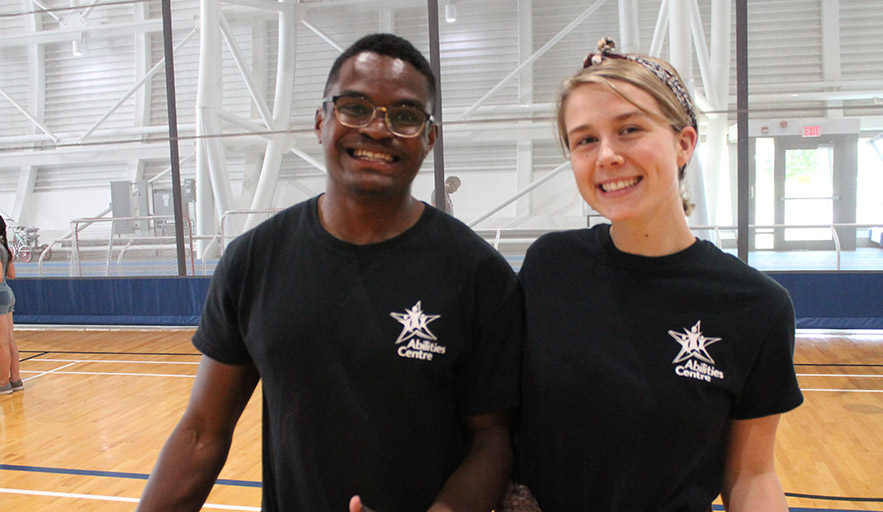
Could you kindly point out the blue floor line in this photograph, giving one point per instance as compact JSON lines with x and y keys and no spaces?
{"x":112,"y":474}
{"x":247,"y":483}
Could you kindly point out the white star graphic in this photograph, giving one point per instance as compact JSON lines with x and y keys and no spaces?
{"x":414,"y":323}
{"x":693,"y":344}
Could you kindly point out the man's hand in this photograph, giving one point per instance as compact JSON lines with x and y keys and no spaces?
{"x":356,"y":505}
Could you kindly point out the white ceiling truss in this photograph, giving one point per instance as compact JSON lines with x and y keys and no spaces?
{"x":249,"y":75}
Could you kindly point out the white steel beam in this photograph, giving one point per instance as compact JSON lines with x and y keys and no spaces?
{"x":256,"y":97}
{"x":45,"y":8}
{"x":21,"y":210}
{"x":280,"y":143}
{"x":680,"y":48}
{"x":659,"y":31}
{"x":69,"y":34}
{"x":322,"y":35}
{"x":142,"y":62}
{"x":259,"y":65}
{"x":629,"y":33}
{"x":258,"y":4}
{"x":33,"y":119}
{"x":524,"y":151}
{"x":831,"y":49}
{"x":213,"y":167}
{"x":37,"y":101}
{"x":539,"y":53}
{"x":154,"y":70}
{"x":386,"y":20}
{"x":717,"y":182}
{"x":702,"y":52}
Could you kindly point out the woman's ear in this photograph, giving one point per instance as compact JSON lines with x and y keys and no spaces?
{"x":687,"y":139}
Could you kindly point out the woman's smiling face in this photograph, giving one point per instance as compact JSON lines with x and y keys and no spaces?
{"x":625,"y":161}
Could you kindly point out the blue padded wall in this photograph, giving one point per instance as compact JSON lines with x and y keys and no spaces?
{"x":110,"y":301}
{"x":822,"y":300}
{"x":835,"y":300}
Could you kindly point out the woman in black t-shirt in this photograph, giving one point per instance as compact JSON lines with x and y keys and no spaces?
{"x":656,"y":366}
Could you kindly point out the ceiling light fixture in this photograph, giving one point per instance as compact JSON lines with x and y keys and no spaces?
{"x":450,"y":12}
{"x":80,"y":46}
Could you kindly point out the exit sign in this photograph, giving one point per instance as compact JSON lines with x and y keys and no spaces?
{"x":812,"y":131}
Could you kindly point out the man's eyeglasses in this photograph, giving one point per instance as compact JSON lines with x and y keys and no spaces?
{"x":357,"y":111}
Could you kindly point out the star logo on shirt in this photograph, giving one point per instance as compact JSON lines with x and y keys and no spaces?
{"x":693,"y":344}
{"x":415,"y":323}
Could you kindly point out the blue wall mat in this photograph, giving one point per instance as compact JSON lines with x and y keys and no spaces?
{"x":110,"y":301}
{"x":835,"y":300}
{"x":822,"y":300}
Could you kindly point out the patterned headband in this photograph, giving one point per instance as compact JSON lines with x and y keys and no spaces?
{"x":605,"y":51}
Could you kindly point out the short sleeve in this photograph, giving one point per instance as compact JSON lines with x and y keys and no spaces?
{"x":489,"y":379}
{"x":218,"y":335}
{"x":771,"y":386}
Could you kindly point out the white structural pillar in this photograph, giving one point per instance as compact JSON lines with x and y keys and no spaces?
{"x":259,"y":62}
{"x":629,"y":33}
{"x":717,"y":179}
{"x":524,"y":150}
{"x":831,"y":50}
{"x":681,"y":56}
{"x":279,"y":143}
{"x":211,"y":161}
{"x":27,"y":177}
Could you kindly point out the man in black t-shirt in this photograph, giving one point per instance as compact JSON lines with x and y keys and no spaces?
{"x":386,"y":335}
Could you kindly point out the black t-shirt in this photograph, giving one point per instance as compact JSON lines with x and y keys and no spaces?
{"x":369,"y":356}
{"x":635,"y":366}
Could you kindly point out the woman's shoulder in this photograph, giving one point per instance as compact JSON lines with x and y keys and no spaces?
{"x":730,"y":269}
{"x":584,"y":239}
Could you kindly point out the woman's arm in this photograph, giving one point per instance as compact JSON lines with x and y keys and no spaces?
{"x":750,"y":480}
{"x":10,"y":270}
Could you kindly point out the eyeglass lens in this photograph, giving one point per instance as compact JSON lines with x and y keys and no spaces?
{"x":403,"y":120}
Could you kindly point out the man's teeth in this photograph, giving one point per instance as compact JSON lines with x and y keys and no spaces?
{"x":619,"y":185}
{"x":363,"y":153}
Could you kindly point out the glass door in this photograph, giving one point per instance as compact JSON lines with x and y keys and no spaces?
{"x":804,"y":194}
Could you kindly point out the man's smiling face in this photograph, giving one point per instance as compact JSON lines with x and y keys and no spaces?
{"x":371,"y":160}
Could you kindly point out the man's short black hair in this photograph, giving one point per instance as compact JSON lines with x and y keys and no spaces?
{"x":390,"y":45}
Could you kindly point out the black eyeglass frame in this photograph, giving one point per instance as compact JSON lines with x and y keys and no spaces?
{"x":333,"y":99}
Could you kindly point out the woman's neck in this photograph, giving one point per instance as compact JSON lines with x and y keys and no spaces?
{"x":652,"y":239}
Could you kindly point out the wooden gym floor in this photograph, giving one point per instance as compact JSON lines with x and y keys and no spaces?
{"x":98,"y":405}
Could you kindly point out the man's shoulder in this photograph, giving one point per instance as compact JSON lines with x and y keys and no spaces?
{"x":284,"y":220}
{"x":454,"y":234}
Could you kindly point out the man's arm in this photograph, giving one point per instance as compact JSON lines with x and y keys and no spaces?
{"x":479,"y":481}
{"x":750,"y":480}
{"x":196,"y":451}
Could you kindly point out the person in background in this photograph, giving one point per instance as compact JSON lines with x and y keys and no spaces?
{"x":656,"y":366}
{"x":10,"y":370}
{"x":386,"y":335}
{"x":452,"y":184}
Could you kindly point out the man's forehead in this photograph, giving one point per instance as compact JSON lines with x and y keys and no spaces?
{"x":370,"y":59}
{"x":382,"y":72}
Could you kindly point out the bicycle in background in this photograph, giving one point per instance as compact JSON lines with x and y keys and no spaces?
{"x":26,"y":243}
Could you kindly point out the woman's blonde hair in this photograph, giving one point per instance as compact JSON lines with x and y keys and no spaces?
{"x":639,"y":72}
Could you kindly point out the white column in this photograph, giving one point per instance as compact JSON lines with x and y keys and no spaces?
{"x":717,"y":182}
{"x":524,"y":151}
{"x":279,"y":144}
{"x":629,"y":34}
{"x":680,"y":46}
{"x":212,"y":164}
{"x":254,"y":159}
{"x":831,"y":50}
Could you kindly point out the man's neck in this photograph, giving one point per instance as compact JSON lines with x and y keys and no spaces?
{"x":367,"y":220}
